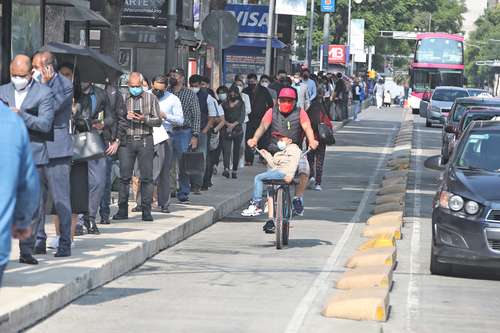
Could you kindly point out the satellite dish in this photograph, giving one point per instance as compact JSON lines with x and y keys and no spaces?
{"x":220,"y":21}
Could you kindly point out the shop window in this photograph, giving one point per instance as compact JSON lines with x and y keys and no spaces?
{"x":26,"y":24}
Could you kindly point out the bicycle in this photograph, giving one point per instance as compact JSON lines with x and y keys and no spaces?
{"x":279,"y":191}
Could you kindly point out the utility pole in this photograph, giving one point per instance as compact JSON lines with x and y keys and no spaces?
{"x":326,"y":40}
{"x":170,"y":48}
{"x":270,"y":35}
{"x":430,"y":22}
{"x":309,"y":37}
{"x":349,"y":36}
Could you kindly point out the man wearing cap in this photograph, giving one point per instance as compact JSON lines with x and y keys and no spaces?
{"x":288,"y":120}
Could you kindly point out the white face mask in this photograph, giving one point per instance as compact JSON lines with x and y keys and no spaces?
{"x":240,"y":88}
{"x":265,"y":84}
{"x":281,"y":145}
{"x":37,"y":75}
{"x":196,"y":90}
{"x":19,"y":83}
{"x":296,"y":80}
{"x":222,"y":97}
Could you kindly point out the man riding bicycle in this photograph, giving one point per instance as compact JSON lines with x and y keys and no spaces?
{"x":288,"y":120}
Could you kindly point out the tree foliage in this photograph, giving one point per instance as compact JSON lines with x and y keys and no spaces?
{"x":483,"y":44}
{"x":379,"y":15}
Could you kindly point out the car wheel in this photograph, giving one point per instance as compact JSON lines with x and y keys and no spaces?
{"x":438,"y":268}
{"x":414,"y":111}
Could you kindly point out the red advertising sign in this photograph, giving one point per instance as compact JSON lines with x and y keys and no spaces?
{"x":337,"y":54}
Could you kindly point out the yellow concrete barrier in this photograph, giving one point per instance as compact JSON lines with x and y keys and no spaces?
{"x":372,"y":257}
{"x":392,"y":216}
{"x":359,"y":304}
{"x":393,"y":189}
{"x":378,"y":230}
{"x":395,"y":181}
{"x":366,"y":277}
{"x":386,"y":240}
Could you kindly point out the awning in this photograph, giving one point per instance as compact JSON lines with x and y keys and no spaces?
{"x":259,"y":42}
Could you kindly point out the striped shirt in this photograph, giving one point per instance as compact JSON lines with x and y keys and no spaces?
{"x":147,"y":103}
{"x":191,"y":109}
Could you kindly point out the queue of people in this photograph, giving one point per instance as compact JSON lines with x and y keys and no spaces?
{"x":147,"y":131}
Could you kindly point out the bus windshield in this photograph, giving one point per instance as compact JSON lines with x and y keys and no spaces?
{"x":440,"y":51}
{"x":426,"y":79}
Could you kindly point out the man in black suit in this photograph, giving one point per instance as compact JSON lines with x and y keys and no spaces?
{"x":95,"y":114}
{"x":33,"y":102}
{"x":60,"y":153}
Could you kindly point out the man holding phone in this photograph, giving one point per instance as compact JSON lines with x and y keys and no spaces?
{"x":141,"y":113}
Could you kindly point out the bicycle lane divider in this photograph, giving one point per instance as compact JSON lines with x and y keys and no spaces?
{"x":370,"y":277}
{"x":322,"y":281}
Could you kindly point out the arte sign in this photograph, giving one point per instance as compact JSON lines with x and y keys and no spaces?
{"x":251,"y":18}
{"x":141,"y":10}
{"x":328,"y":6}
{"x":337,"y":54}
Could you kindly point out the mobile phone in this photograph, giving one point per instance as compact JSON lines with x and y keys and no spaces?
{"x":137,"y":110}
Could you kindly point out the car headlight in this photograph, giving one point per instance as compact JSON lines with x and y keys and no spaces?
{"x":456,"y":203}
{"x":471,"y":207}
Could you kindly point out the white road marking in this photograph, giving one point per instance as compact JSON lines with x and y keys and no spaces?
{"x":421,"y":192}
{"x":412,"y":302}
{"x":322,"y":281}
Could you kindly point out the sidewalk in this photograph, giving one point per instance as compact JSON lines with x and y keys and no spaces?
{"x":31,"y":293}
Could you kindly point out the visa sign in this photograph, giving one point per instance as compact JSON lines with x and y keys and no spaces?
{"x":252,"y":18}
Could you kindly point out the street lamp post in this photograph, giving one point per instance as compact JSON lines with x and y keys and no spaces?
{"x":270,"y":35}
{"x":309,"y":37}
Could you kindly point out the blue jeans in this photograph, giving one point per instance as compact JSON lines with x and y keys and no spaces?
{"x":181,"y":138}
{"x":106,"y":197}
{"x":258,"y":186}
{"x":357,"y":109}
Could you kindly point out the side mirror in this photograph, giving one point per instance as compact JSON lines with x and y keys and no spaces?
{"x":450,"y":129}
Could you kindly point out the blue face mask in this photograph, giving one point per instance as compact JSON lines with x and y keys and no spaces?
{"x":135,"y":91}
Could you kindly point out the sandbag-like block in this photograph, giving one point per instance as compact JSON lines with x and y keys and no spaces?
{"x":398,"y":162}
{"x":386,"y":240}
{"x":393,"y":189}
{"x":400,"y":167}
{"x":380,"y":230}
{"x":389,"y":207}
{"x":389,"y":216}
{"x":366,"y":277}
{"x":394,"y":181}
{"x":359,"y":304}
{"x":390,"y":198}
{"x":395,"y":174}
{"x":385,"y":256}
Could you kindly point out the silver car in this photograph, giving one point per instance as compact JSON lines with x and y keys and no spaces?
{"x":436,"y":109}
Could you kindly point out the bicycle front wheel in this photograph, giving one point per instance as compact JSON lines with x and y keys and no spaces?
{"x":278,"y":220}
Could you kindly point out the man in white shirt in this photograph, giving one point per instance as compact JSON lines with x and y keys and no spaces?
{"x":171,"y":112}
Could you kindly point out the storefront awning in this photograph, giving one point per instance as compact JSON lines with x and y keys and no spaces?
{"x":259,"y":42}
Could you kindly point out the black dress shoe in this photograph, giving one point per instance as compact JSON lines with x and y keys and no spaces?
{"x":147,"y":217}
{"x":137,"y":209}
{"x":28,"y":259}
{"x":79,"y":230}
{"x":226,"y":174}
{"x":121,"y":215}
{"x":165,"y":210}
{"x":62,"y":253}
{"x":234,"y":175}
{"x":196,"y":191}
{"x":204,"y":188}
{"x":105,"y":220}
{"x":40,"y":248}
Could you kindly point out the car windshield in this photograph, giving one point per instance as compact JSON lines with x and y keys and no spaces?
{"x":460,"y":109}
{"x":477,"y":116}
{"x":480,"y":151}
{"x":439,"y":51}
{"x":448,"y":95}
{"x":476,"y":92}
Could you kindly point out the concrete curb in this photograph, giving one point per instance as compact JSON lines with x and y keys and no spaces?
{"x":114,"y":266}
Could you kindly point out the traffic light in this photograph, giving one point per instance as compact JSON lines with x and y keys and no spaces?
{"x":372,"y":74}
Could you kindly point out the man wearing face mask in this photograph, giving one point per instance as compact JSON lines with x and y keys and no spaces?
{"x":96,"y":115}
{"x":303,"y":100}
{"x":33,"y":102}
{"x":261,"y":100}
{"x":186,"y":136}
{"x":140,"y":114}
{"x":280,"y":82}
{"x":287,"y":120}
{"x":311,"y":85}
{"x":60,"y":152}
{"x":172,"y":115}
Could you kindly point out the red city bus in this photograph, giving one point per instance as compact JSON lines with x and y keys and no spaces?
{"x":438,"y":61}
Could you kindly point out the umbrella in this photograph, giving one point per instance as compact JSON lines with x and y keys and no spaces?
{"x":79,"y":11}
{"x":92,"y":65}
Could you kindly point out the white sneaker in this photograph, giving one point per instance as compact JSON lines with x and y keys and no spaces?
{"x":311,"y":183}
{"x":54,"y":243}
{"x":252,"y":210}
{"x":318,"y":188}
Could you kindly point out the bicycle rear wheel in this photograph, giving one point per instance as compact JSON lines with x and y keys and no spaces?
{"x":287,"y":215}
{"x":278,"y":219}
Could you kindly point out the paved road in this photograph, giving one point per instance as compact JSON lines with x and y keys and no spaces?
{"x":230,"y":278}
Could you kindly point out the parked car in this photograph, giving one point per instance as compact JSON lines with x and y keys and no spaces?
{"x":466,"y":208}
{"x":458,"y":109}
{"x":473,"y":113}
{"x":436,"y":110}
{"x":473,"y":92}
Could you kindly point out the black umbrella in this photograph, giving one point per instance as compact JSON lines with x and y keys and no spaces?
{"x":92,"y":65}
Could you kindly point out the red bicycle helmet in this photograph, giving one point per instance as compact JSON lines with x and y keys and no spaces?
{"x":288,"y":93}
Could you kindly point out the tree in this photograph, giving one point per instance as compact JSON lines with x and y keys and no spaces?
{"x":483,"y":44}
{"x":404,"y":15}
{"x":110,"y":38}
